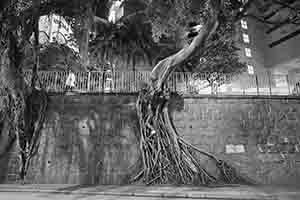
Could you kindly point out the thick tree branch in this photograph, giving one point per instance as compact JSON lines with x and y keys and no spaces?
{"x":130,"y":16}
{"x":35,"y":21}
{"x":100,"y":20}
{"x":163,"y":69}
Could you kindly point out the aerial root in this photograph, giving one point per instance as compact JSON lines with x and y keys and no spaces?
{"x":166,"y":156}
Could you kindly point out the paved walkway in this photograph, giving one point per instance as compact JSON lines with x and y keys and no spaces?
{"x":166,"y":192}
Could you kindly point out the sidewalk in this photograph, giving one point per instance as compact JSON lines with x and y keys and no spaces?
{"x":218,"y":193}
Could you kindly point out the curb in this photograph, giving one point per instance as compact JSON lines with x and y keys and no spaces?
{"x":153,"y":195}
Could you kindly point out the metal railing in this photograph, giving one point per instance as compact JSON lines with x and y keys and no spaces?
{"x":181,"y":82}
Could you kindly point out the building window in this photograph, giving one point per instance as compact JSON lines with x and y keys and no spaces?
{"x":250,"y":69}
{"x":246,"y":38}
{"x":243,"y":1}
{"x":248,"y":52}
{"x":116,"y":11}
{"x":244,"y":24}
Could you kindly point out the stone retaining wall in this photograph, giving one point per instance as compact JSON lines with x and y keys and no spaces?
{"x":94,"y":139}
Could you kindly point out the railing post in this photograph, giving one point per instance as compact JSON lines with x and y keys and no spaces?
{"x":288,"y":83}
{"x":123,"y":81}
{"x":174,"y":82}
{"x":114,"y":75}
{"x":270,"y":84}
{"x":189,"y":82}
{"x":257,"y":86}
{"x":55,"y":82}
{"x":99,"y":81}
{"x":103,"y":81}
{"x":89,"y":82}
{"x":134,"y":89}
{"x":186,"y":83}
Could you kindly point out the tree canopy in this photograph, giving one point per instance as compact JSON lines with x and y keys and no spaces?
{"x":150,"y":29}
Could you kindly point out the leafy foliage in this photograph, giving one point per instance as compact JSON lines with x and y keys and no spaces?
{"x":219,"y":56}
{"x":220,"y":53}
{"x":169,"y":18}
{"x":127,"y":42}
{"x":154,"y":29}
{"x":53,"y":56}
{"x":139,"y":36}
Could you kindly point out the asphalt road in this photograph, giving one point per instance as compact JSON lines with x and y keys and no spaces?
{"x":51,"y":196}
{"x":45,"y":196}
{"x":75,"y":192}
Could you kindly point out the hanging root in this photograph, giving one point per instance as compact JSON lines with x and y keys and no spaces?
{"x":36,"y":105}
{"x":6,"y":145}
{"x":168,"y":158}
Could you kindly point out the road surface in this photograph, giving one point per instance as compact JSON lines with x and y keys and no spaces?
{"x":77,"y":192}
{"x":40,"y":196}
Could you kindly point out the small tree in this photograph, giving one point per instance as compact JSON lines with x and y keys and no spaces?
{"x":24,"y":107}
{"x":217,"y":65}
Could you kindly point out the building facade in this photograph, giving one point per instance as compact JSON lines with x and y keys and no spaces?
{"x":263,"y":46}
{"x":54,"y":28}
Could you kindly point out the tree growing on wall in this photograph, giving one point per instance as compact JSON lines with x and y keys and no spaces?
{"x":23,"y":105}
{"x":22,"y":115}
{"x":195,"y":25}
{"x":166,"y":156}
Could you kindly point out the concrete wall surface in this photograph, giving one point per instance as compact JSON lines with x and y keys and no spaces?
{"x":259,"y":136}
{"x":94,"y":138}
{"x":86,"y":140}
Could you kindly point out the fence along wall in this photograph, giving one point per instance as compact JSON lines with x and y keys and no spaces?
{"x":184,"y":83}
{"x":87,"y":139}
{"x":94,"y":138}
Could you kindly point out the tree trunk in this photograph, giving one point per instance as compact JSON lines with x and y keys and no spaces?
{"x":86,"y":27}
{"x":18,"y":108}
{"x":13,"y":86}
{"x":36,"y":51}
{"x":166,"y":157}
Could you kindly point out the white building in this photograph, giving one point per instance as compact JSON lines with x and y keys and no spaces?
{"x":116,"y":11}
{"x":55,"y":28}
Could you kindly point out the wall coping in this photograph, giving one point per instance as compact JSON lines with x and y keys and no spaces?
{"x":270,"y":97}
{"x":191,"y":96}
{"x":93,"y":94}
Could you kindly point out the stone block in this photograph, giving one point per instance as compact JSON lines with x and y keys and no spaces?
{"x":234,"y":149}
{"x":286,"y":148}
{"x":262,"y":148}
{"x":283,"y":140}
{"x":293,"y":140}
{"x":272,"y":140}
{"x":272,"y":149}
